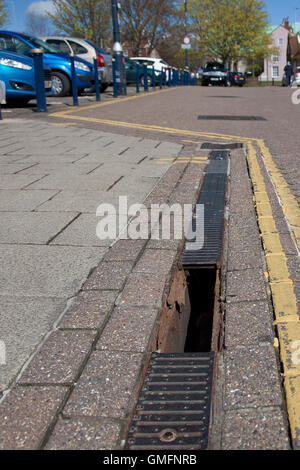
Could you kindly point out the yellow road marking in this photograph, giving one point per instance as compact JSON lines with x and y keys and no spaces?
{"x":282,"y":288}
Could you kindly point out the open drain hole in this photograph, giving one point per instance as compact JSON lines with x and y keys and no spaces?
{"x":168,"y":435}
{"x":202,"y":295}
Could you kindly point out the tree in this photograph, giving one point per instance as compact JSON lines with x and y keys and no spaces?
{"x":230,"y":29}
{"x":38,"y":25}
{"x":147,"y":21}
{"x":90,"y":19}
{"x":3,"y":12}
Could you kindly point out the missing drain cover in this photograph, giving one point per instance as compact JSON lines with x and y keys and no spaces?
{"x":218,"y":145}
{"x":231,"y":118}
{"x":173,"y":410}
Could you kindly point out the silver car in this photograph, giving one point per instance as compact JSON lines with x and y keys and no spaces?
{"x":86,"y":50}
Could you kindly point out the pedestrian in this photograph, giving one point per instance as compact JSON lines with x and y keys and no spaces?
{"x":289,"y":72}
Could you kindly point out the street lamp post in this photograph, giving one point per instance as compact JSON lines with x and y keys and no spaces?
{"x":185,"y":24}
{"x":119,"y":79}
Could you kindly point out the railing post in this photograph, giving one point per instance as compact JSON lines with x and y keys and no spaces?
{"x":2,"y":96}
{"x":145,"y":70}
{"x":39,"y":80}
{"x":153,"y":78}
{"x":74,"y":81}
{"x":97,"y":84}
{"x":137,"y":78}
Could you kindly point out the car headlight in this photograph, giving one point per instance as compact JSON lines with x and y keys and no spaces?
{"x":81,"y":66}
{"x":14,"y":63}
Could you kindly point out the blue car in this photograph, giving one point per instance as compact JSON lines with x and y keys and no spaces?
{"x":17,"y":73}
{"x":59,"y":64}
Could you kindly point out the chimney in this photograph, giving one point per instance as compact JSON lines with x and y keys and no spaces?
{"x":286,"y":24}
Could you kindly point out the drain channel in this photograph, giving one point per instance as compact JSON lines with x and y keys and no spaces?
{"x":174,"y":406}
{"x":218,"y":145}
{"x":173,"y":409}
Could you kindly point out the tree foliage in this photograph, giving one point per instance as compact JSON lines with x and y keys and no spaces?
{"x":90,"y":19}
{"x":230,"y":29}
{"x":147,"y":21}
{"x":3,"y":12}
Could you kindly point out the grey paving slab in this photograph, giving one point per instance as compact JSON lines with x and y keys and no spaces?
{"x":82,"y":232}
{"x":84,"y":434}
{"x":109,"y":275}
{"x":246,"y":285}
{"x":32,"y":227}
{"x":51,"y":271}
{"x":106,"y":386}
{"x":262,"y":429}
{"x":77,"y":182}
{"x":24,"y":322}
{"x":251,"y":378}
{"x":77,"y":168}
{"x":11,"y":168}
{"x":248,"y":323}
{"x":88,"y":201}
{"x":244,"y":257}
{"x":23,"y":200}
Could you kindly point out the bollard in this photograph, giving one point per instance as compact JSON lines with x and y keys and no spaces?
{"x":113,"y":60}
{"x":73,"y":78}
{"x":2,"y":96}
{"x":169,"y":77}
{"x":174,"y":77}
{"x":161,"y":79}
{"x":145,"y":78}
{"x":137,"y":78}
{"x":39,"y":80}
{"x":165,"y":78}
{"x":97,"y":84}
{"x":153,"y":78}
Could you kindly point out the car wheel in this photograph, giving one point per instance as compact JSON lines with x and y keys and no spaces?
{"x":60,"y":84}
{"x":103,"y":87}
{"x":142,"y":81}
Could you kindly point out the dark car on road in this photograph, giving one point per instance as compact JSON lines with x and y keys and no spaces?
{"x":215,"y":73}
{"x":131,"y":73}
{"x":237,"y":78}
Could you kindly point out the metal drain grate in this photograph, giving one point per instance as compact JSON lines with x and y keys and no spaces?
{"x":173,"y":410}
{"x":232,"y":118}
{"x":218,"y":145}
{"x":213,"y":197}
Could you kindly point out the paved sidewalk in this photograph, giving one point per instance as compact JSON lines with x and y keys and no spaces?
{"x":52,"y":180}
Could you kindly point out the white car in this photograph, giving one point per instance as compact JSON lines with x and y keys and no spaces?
{"x":159,"y":64}
{"x":297,"y":77}
{"x":84,"y":49}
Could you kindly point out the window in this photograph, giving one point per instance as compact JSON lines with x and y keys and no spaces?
{"x":77,"y":48}
{"x":12,"y":44}
{"x":60,"y":45}
{"x":280,"y":41}
{"x":275,"y":71}
{"x":275,"y":58}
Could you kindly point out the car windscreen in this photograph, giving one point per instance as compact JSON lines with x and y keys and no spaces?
{"x":41,"y":44}
{"x":215,"y":67}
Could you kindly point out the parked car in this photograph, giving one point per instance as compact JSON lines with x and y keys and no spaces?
{"x":237,"y":78}
{"x":158,"y":64}
{"x":59,"y":64}
{"x":131,"y":73}
{"x":297,"y":77}
{"x":17,"y":73}
{"x":86,"y":50}
{"x":215,"y":73}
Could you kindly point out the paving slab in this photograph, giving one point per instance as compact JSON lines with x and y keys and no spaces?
{"x":18,"y":200}
{"x":84,"y":434}
{"x":33,"y":227}
{"x":46,"y":271}
{"x":26,"y":415}
{"x":106,"y":386}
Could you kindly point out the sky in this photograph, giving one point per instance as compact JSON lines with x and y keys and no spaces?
{"x":277,"y":9}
